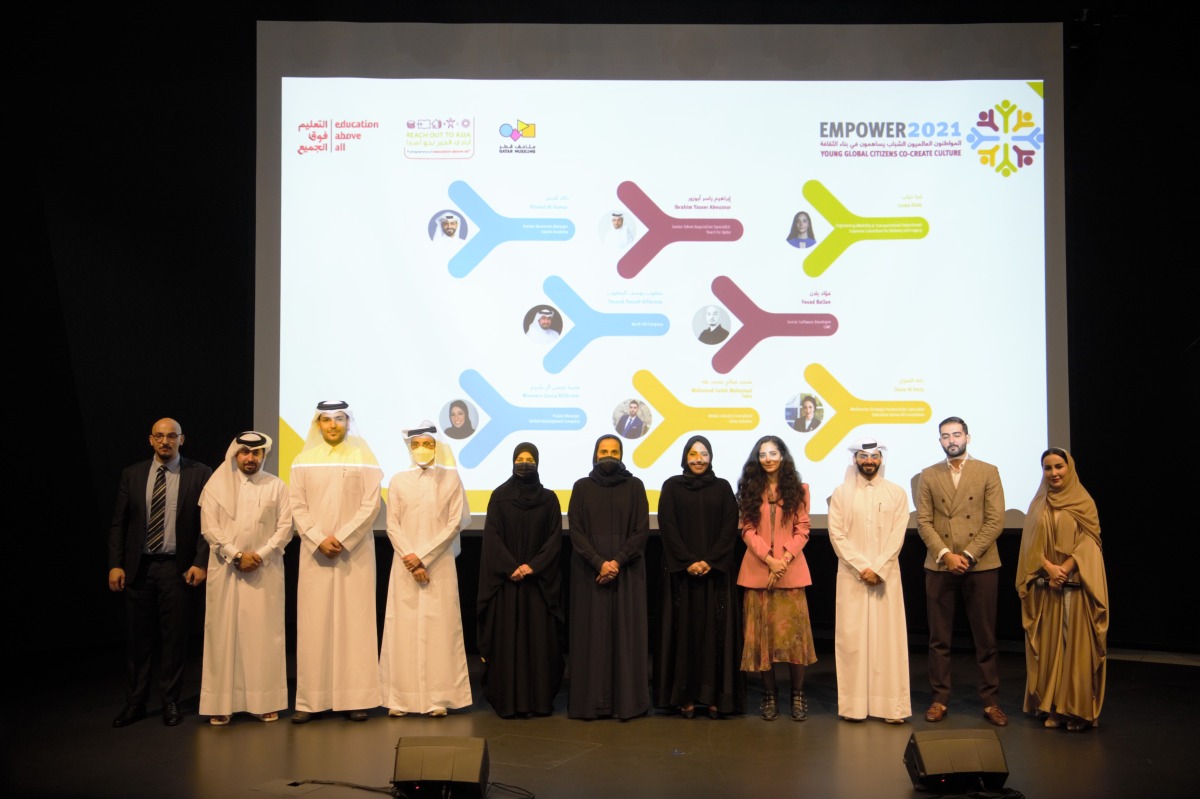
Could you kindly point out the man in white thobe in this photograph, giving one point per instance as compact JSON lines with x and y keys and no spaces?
{"x":246,"y":518}
{"x":423,"y":661}
{"x":620,"y":233}
{"x":541,"y":330}
{"x":447,"y":232}
{"x":335,"y":499}
{"x":867,"y":519}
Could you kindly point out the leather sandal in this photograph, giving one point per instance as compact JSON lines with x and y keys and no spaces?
{"x":769,"y":711}
{"x":799,"y":706}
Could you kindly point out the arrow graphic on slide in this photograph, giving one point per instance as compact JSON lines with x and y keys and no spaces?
{"x":662,"y":229}
{"x":679,"y":419}
{"x":492,"y":229}
{"x":588,"y":324}
{"x":505,"y":418}
{"x":850,"y":228}
{"x":758,"y":324}
{"x":851,"y":412}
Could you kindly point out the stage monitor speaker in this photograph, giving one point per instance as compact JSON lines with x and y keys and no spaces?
{"x":956,"y":761}
{"x":441,"y":766}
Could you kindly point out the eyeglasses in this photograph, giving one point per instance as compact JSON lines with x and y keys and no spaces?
{"x":167,"y":436}
{"x":427,"y":444}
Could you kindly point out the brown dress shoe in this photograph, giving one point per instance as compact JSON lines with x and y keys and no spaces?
{"x":995,"y":715}
{"x":936,"y":712}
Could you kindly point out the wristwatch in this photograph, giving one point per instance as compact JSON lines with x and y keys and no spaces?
{"x":237,"y":560}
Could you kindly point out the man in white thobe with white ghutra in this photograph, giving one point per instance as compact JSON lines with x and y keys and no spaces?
{"x":423,"y":660}
{"x":541,"y":330}
{"x":335,"y":499}
{"x":867,"y":519}
{"x":246,"y":518}
{"x":621,"y":233}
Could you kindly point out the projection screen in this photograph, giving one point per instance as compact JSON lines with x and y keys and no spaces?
{"x":556,"y":232}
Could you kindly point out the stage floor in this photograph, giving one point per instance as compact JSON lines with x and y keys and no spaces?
{"x":59,"y":742}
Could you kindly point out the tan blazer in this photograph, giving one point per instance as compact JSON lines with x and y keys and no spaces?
{"x":966,"y":519}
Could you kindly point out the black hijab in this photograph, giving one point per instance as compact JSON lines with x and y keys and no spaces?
{"x":691,"y":480}
{"x":523,"y":490}
{"x":604,"y":473}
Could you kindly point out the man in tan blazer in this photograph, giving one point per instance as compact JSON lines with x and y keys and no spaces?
{"x":960,"y":512}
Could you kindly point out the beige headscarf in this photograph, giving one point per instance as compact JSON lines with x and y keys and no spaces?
{"x":1073,"y":499}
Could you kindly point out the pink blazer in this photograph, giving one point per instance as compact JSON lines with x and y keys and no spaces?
{"x":791,"y":534}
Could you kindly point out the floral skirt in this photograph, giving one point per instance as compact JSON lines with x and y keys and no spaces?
{"x":777,"y":629}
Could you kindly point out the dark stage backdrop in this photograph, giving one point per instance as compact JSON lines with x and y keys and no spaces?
{"x":136,"y":156}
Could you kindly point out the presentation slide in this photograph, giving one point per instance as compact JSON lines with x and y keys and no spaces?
{"x":556,"y":260}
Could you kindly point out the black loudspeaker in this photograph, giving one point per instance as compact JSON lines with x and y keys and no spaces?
{"x":441,"y":766}
{"x":956,"y":761}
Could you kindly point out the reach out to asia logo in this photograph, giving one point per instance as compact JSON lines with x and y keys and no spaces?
{"x":1006,"y":138}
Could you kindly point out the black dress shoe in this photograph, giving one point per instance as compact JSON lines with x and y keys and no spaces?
{"x":171,"y":715}
{"x":130,"y":714}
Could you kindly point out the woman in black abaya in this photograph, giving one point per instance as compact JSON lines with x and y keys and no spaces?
{"x":700,"y":646}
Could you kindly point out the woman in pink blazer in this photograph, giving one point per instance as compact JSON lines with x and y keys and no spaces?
{"x":774,"y":518}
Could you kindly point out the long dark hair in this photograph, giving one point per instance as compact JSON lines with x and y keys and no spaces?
{"x":795,"y":231}
{"x":753,"y":483}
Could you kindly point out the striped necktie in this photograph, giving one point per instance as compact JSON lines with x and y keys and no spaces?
{"x":156,"y":528}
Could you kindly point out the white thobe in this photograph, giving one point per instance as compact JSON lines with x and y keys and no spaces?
{"x":620,"y":239}
{"x":547,"y":337}
{"x":245,"y":656}
{"x":423,"y":661}
{"x":334,"y":492}
{"x":871,"y":636}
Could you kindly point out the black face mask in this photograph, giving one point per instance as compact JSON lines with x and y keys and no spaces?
{"x":524,"y":469}
{"x":608,"y":466}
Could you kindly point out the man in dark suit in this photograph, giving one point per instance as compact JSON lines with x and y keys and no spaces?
{"x":630,"y":425}
{"x":714,"y":333}
{"x":155,"y":551}
{"x":960,"y":512}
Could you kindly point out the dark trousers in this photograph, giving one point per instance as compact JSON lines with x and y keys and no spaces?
{"x":156,"y":605}
{"x":978,"y":590}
